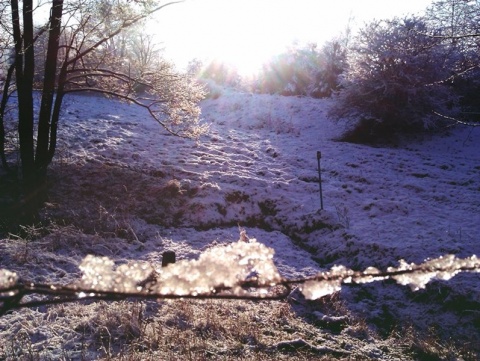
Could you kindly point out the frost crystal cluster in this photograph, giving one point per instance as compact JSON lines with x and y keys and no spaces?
{"x":7,"y":278}
{"x":100,"y":274}
{"x":220,"y":267}
{"x":411,"y":274}
{"x":239,"y":266}
{"x":442,"y":268}
{"x":326,"y":283}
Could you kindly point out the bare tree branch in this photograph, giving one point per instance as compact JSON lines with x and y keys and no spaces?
{"x":456,"y":120}
{"x":125,"y":24}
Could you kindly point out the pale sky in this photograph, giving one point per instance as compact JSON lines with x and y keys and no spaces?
{"x":247,"y":32}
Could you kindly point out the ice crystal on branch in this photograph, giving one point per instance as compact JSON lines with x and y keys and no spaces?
{"x":411,"y":274}
{"x":7,"y":278}
{"x":313,"y":290}
{"x":241,"y":269}
{"x":370,"y":274}
{"x":442,"y":268}
{"x":326,"y":283}
{"x":220,"y":267}
{"x":99,"y":275}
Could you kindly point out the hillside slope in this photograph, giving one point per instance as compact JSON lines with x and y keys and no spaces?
{"x":123,"y":189}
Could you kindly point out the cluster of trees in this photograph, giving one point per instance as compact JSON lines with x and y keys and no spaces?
{"x":305,"y":71}
{"x":397,"y":75}
{"x":82,"y":45}
{"x":300,"y":70}
{"x":407,"y":74}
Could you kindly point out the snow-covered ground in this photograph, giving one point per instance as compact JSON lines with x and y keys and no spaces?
{"x":257,"y":169}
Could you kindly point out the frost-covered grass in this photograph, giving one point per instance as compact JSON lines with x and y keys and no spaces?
{"x":121,"y":189}
{"x":199,"y":330}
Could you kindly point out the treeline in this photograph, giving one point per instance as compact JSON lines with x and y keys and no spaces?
{"x":395,"y":75}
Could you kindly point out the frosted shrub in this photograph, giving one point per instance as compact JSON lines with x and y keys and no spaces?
{"x":394,"y":82}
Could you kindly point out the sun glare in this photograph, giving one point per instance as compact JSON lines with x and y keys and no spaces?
{"x":247,"y":33}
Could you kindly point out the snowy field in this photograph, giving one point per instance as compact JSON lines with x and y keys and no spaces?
{"x":119,"y":178}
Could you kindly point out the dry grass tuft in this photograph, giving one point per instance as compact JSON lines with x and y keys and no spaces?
{"x":213,"y":329}
{"x":430,"y":346}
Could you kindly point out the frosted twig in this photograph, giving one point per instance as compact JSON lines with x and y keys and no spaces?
{"x":241,"y":270}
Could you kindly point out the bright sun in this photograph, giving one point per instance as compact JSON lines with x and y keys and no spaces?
{"x":247,"y":33}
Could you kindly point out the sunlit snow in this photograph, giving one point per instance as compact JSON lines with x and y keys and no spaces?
{"x":257,"y":169}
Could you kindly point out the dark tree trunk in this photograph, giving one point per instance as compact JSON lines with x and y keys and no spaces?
{"x":25,"y":99}
{"x":25,"y":106}
{"x":45,"y":120}
{"x":54,"y":127}
{"x":62,"y":79}
{"x":32,"y":187}
{"x":3,"y":106}
{"x":24,"y":68}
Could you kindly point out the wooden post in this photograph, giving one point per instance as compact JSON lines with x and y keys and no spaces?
{"x":168,"y":257}
{"x":319,"y":155}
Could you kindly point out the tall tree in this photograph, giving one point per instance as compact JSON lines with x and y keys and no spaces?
{"x":78,"y":57}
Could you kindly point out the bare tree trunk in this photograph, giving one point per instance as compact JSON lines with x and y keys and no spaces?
{"x":45,"y":121}
{"x":24,"y":71}
{"x":24,"y":67}
{"x":3,"y":106}
{"x":26,"y":121}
